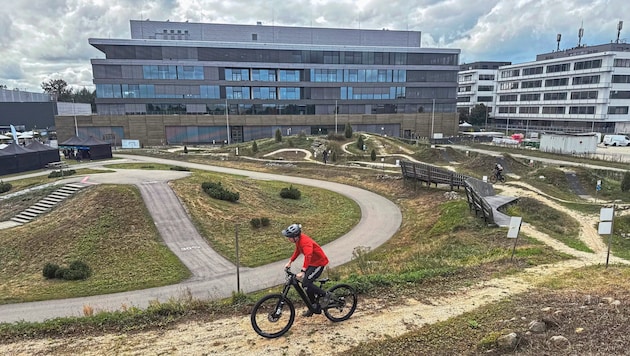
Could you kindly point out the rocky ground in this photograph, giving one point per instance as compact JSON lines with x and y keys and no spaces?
{"x":373,"y":319}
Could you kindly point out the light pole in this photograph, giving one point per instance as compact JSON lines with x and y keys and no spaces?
{"x":486,"y":118}
{"x":432,"y":119}
{"x":227,"y":121}
{"x":76,"y":127}
{"x":335,"y":117}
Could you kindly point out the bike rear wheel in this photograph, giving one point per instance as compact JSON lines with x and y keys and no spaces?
{"x":272,"y":316}
{"x":492,"y":178}
{"x":342,"y":304}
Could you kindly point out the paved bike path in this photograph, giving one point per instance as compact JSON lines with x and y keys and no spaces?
{"x":213,"y":276}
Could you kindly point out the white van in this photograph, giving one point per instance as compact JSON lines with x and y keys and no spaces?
{"x":616,"y":140}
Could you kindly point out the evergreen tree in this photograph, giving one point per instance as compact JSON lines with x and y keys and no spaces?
{"x":348,"y":131}
{"x":278,"y":136}
{"x":254,"y":147}
{"x":360,"y":142}
{"x":373,"y":155}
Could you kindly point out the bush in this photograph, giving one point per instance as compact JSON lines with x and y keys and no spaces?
{"x":264,"y":221}
{"x":5,"y":187}
{"x":373,"y":155}
{"x":217,"y":191}
{"x":255,"y":223}
{"x":50,"y":269}
{"x":76,"y":271}
{"x":348,"y":131}
{"x":360,"y":142}
{"x":64,"y":173}
{"x":278,"y":136}
{"x":290,"y":193}
{"x":254,"y":147}
{"x":179,"y":168}
{"x":185,"y":149}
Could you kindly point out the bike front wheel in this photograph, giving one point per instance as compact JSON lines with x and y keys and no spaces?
{"x":272,"y":316}
{"x":342,"y":304}
{"x":492,"y":178}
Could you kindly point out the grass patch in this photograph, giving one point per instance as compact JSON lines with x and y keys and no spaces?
{"x":112,"y":233}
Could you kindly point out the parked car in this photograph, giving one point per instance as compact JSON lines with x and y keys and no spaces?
{"x":616,"y":140}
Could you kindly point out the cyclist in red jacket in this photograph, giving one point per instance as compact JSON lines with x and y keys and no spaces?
{"x":314,"y":262}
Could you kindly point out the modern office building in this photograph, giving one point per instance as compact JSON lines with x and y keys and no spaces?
{"x":583,"y":89}
{"x":196,"y":83}
{"x":477,"y":84}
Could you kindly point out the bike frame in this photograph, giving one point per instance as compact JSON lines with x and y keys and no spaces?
{"x":292,"y":281}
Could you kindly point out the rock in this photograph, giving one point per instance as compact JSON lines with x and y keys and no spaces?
{"x":579,"y":330}
{"x":607,"y":300}
{"x":508,"y":341}
{"x":537,"y":327}
{"x":559,"y":342}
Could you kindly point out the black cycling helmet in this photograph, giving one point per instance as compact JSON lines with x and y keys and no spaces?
{"x":294,"y":230}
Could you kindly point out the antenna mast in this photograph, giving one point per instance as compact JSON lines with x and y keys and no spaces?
{"x":619,"y":27}
{"x":580,"y":34}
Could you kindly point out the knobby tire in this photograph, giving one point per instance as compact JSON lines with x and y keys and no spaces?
{"x":266,"y":320}
{"x":342,"y":304}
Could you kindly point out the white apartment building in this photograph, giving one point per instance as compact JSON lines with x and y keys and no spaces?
{"x":583,"y":89}
{"x":477,"y":84}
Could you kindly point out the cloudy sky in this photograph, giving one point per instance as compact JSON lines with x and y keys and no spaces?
{"x":48,"y":39}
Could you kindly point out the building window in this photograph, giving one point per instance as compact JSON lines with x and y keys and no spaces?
{"x":236,"y":74}
{"x":254,"y":37}
{"x":528,"y":110}
{"x":596,"y":63}
{"x":553,"y":110}
{"x":484,"y":99}
{"x":510,"y":73}
{"x":507,"y":109}
{"x":583,"y":95}
{"x":287,"y":75}
{"x":618,"y":110}
{"x":555,"y":68}
{"x":264,"y":93}
{"x":486,"y":88}
{"x":237,"y":92}
{"x":591,"y":79}
{"x":557,"y":82}
{"x":531,"y":84}
{"x":623,"y":62}
{"x":464,"y":89}
{"x":509,"y":85}
{"x":532,"y":71}
{"x":486,"y":76}
{"x":289,"y":94}
{"x":530,"y":97}
{"x":621,"y":79}
{"x":509,"y":97}
{"x":582,"y":110}
{"x":555,"y":96}
{"x":620,"y":94}
{"x":263,"y":75}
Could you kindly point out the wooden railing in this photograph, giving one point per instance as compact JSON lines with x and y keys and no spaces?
{"x":476,"y":190}
{"x":431,"y":174}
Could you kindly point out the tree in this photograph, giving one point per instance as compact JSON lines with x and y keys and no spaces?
{"x":478,"y":115}
{"x":625,"y":182}
{"x":348,"y":131}
{"x":373,"y":155}
{"x":254,"y":147}
{"x":58,"y":88}
{"x":463,"y":115}
{"x":3,"y":86}
{"x":360,"y":142}
{"x":278,"y":136}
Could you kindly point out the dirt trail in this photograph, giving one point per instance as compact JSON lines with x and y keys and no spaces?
{"x":317,"y":335}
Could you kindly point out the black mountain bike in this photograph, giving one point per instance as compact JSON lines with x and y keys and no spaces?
{"x":273,"y":315}
{"x":497,"y":177}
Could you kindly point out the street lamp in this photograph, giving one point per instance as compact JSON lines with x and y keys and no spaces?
{"x":227,"y":121}
{"x":432,"y":119}
{"x":76,"y":127}
{"x":486,"y":118}
{"x":336,"y":117}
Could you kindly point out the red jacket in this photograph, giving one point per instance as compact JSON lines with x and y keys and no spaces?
{"x":313,"y":253}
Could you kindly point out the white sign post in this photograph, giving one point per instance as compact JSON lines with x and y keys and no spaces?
{"x":606,"y":219}
{"x":513,"y":230}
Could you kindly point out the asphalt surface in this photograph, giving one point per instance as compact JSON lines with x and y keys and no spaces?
{"x":213,"y":276}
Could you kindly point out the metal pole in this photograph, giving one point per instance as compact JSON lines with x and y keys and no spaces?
{"x":227,"y":121}
{"x":76,"y":127}
{"x":432,"y":120}
{"x":335,"y":116}
{"x":238,"y":275}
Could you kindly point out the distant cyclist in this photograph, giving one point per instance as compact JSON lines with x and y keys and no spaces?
{"x":314,"y":262}
{"x":498,"y":170}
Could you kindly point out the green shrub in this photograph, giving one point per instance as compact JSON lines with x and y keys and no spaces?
{"x":185,"y":149}
{"x":64,"y":173}
{"x":348,"y":131}
{"x":360,"y":142}
{"x":255,"y":223}
{"x":290,"y":193}
{"x":217,"y":191}
{"x":179,"y":168}
{"x":264,"y":221}
{"x":254,"y":147}
{"x":373,"y":155}
{"x":76,"y":271}
{"x":5,"y":187}
{"x":278,"y":136}
{"x":50,"y":269}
